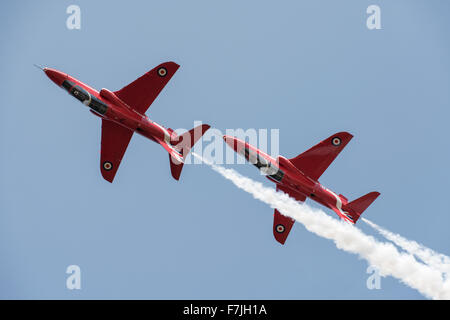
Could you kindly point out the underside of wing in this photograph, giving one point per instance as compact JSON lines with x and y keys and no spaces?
{"x":316,"y":160}
{"x":115,"y":139}
{"x":141,"y":93}
{"x":282,"y":225}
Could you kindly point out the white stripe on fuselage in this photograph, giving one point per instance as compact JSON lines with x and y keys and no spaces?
{"x":175,"y":153}
{"x":339,"y":206}
{"x":166,"y":133}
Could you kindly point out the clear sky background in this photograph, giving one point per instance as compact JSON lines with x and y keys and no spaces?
{"x":307,"y":68}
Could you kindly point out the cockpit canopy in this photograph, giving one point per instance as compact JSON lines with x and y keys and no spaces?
{"x":85,"y":97}
{"x":264,"y":165}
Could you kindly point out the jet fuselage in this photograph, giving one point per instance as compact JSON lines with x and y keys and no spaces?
{"x":107,"y":105}
{"x":286,"y":176}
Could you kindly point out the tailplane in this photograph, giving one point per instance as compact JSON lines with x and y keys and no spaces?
{"x":183,"y":145}
{"x":355,"y":208}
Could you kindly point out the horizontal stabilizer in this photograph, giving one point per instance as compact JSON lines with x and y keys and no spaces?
{"x":175,"y":167}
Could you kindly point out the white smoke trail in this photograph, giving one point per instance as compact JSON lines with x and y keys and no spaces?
{"x":432,"y":258}
{"x":385,"y":256}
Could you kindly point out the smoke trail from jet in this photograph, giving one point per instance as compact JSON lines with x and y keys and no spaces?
{"x":432,"y":258}
{"x":385,"y":256}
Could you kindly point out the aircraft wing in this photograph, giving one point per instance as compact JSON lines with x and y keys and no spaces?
{"x":115,"y":139}
{"x":282,"y":225}
{"x":141,"y":93}
{"x":316,"y":160}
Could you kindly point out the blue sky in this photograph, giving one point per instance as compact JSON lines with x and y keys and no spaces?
{"x":306,"y":68}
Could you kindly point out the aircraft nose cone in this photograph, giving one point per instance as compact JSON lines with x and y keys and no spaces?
{"x":56,"y":76}
{"x":228,"y":139}
{"x":231,"y":141}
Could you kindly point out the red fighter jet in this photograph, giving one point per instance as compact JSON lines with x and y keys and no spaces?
{"x":123,"y":113}
{"x":298,"y":177}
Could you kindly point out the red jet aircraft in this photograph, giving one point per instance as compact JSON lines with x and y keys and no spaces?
{"x":298,"y":177}
{"x":123,"y":113}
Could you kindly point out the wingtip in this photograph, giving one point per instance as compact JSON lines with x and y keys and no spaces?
{"x":176,"y":65}
{"x":109,"y":180}
{"x":107,"y":177}
{"x":176,"y":175}
{"x":281,"y":239}
{"x":348,"y":134}
{"x":205,"y":127}
{"x":282,"y":242}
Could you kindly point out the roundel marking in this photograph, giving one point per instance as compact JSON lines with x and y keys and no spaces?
{"x":279,"y":228}
{"x":162,"y":72}
{"x":336,"y":141}
{"x":107,"y":165}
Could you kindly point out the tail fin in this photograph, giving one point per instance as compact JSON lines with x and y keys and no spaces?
{"x":183,"y":144}
{"x":357,"y":207}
